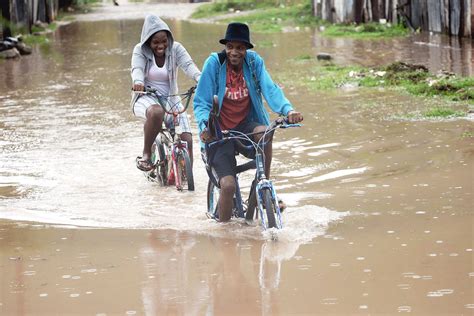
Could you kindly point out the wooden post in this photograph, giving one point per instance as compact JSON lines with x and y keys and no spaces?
{"x":358,"y":11}
{"x":455,"y":17}
{"x":375,"y":4}
{"x":434,"y":16}
{"x":445,"y":16}
{"x":41,"y":9}
{"x":472,"y":19}
{"x":466,"y":18}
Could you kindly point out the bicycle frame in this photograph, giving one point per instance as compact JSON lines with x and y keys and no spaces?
{"x":263,"y":184}
{"x":174,"y":149}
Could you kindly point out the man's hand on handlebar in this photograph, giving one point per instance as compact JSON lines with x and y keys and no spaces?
{"x":294,"y":117}
{"x":206,"y":136}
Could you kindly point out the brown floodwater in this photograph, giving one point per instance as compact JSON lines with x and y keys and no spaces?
{"x":380,"y":207}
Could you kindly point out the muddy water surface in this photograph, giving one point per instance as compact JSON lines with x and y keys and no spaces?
{"x":379,"y":215}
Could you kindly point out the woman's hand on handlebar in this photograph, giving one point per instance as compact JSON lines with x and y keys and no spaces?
{"x":294,"y":117}
{"x":138,"y":87}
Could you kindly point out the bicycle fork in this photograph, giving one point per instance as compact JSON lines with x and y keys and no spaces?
{"x":261,"y":187}
{"x":176,"y":148}
{"x":264,"y":184}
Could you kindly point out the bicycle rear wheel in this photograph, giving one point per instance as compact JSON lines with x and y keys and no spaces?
{"x":213,"y":194}
{"x":212,"y":200}
{"x":185,"y":171}
{"x":269,"y":205}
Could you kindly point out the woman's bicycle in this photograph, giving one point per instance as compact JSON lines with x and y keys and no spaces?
{"x":262,"y":193}
{"x":170,"y":154}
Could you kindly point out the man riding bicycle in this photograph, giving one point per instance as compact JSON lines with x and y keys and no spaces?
{"x":238,"y":77}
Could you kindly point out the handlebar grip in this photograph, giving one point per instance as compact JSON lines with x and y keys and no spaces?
{"x":291,"y":125}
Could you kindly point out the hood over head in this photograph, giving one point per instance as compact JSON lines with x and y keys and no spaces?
{"x":152,"y":25}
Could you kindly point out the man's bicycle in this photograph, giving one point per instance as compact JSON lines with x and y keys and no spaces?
{"x":170,"y":154}
{"x":262,"y":193}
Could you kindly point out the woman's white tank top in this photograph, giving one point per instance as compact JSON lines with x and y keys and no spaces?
{"x":158,"y":78}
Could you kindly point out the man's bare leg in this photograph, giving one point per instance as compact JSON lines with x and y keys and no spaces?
{"x":226,"y":196}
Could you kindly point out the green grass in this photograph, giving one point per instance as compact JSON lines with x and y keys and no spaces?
{"x":448,"y":94}
{"x":442,"y":112}
{"x":79,"y":6}
{"x":269,"y":15}
{"x":365,"y":31}
{"x":30,"y":39}
{"x":224,"y":7}
{"x":330,"y":76}
{"x":15,"y":29}
{"x":276,"y":19}
{"x":274,"y":16}
{"x":418,"y":81}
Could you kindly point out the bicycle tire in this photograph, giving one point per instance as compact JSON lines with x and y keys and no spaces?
{"x":212,"y":199}
{"x":269,"y":208}
{"x":159,"y":159}
{"x":185,"y":171}
{"x":252,"y":203}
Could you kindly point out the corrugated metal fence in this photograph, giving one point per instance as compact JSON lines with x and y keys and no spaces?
{"x":24,"y":13}
{"x":453,"y":17}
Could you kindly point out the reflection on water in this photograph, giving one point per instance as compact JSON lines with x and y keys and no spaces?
{"x":437,"y":52}
{"x":257,"y":267}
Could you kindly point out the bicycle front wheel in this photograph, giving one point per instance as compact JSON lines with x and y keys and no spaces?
{"x":185,"y":170}
{"x":270,"y":209}
{"x":158,"y":158}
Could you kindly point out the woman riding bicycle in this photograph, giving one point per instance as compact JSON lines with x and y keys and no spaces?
{"x":238,"y":77}
{"x":155,"y":61}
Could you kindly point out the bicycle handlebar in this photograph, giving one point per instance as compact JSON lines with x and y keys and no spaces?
{"x":281,"y":122}
{"x":164,"y":100}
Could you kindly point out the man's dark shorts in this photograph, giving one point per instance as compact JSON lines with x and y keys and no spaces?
{"x":224,"y":162}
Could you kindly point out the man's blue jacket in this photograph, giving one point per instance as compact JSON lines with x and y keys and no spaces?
{"x":213,"y":81}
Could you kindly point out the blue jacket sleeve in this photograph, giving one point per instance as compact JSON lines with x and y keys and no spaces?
{"x":272,"y":93}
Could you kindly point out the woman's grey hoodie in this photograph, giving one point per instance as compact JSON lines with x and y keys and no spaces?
{"x":176,"y":56}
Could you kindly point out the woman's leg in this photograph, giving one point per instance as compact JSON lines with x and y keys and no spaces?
{"x":151,"y":128}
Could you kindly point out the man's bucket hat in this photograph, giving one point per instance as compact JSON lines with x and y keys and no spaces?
{"x":237,"y":32}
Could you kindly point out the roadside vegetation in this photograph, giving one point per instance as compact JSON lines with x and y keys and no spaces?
{"x":455,"y":93}
{"x":78,"y":6}
{"x":369,"y":30}
{"x":264,"y":16}
{"x":39,"y":31}
{"x":275,"y":16}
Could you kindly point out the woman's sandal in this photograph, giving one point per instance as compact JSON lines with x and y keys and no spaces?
{"x":144,"y":164}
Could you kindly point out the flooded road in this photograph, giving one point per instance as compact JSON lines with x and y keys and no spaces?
{"x":379,"y":215}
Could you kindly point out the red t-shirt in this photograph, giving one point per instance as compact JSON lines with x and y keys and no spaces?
{"x":236,"y":104}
